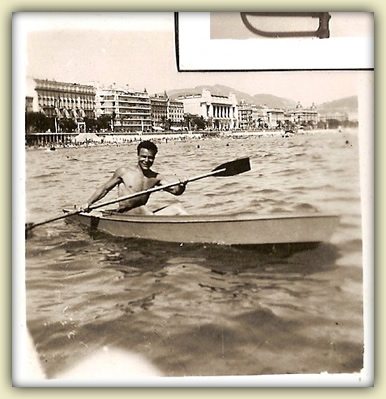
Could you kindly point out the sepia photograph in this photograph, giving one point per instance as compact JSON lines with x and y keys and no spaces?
{"x":202,"y":227}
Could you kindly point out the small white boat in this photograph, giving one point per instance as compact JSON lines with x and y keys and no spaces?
{"x":215,"y":229}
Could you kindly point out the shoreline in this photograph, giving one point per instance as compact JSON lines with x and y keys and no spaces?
{"x":124,"y":139}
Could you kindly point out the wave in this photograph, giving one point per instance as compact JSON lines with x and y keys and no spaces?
{"x":305,"y":207}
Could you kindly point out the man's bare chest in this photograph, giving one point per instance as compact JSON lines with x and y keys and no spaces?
{"x":134,"y":181}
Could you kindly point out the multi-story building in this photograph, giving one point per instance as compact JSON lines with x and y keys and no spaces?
{"x":267,"y":118}
{"x":176,"y":113}
{"x":159,"y":110}
{"x":165,"y":112}
{"x":259,"y":117}
{"x":339,"y":116}
{"x":245,"y":113}
{"x":303,"y":116}
{"x":64,"y":100}
{"x":29,"y":104}
{"x":129,"y":110}
{"x":276,"y":117}
{"x":220,"y":112}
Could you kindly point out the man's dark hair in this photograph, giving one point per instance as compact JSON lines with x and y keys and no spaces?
{"x":148,"y":145}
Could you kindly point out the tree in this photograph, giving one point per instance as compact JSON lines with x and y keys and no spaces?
{"x":321,"y":125}
{"x":103,"y":122}
{"x":67,"y":125}
{"x":199,"y":122}
{"x":333,"y":123}
{"x":163,"y":121}
{"x":91,"y":124}
{"x":37,"y":122}
{"x":113,"y":117}
{"x":188,"y":120}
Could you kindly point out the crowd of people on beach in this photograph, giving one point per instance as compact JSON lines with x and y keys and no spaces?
{"x":117,"y":140}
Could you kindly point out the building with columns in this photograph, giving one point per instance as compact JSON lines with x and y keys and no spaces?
{"x":220,"y":112}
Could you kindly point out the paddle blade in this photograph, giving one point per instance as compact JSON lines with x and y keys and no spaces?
{"x":233,"y":168}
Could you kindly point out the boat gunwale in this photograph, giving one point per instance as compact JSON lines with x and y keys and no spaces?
{"x":184,"y":219}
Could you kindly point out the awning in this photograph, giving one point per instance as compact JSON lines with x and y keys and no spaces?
{"x":82,"y":137}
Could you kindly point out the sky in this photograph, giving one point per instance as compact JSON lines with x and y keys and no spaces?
{"x":138,"y":50}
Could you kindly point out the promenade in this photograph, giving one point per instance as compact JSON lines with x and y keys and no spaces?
{"x":52,"y":140}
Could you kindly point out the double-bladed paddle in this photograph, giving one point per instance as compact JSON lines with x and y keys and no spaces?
{"x":227,"y":169}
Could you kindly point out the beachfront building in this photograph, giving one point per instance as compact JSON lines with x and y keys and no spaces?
{"x":63,"y":102}
{"x":159,"y":111}
{"x":166,"y":114}
{"x":303,"y":116}
{"x":245,"y":112}
{"x":264,"y":117}
{"x":338,"y":116}
{"x":129,"y":110}
{"x":259,"y":117}
{"x":29,"y":104}
{"x":276,"y":118}
{"x":220,"y":112}
{"x":175,"y":113}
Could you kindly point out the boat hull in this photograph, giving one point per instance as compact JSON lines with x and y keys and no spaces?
{"x":226,"y":229}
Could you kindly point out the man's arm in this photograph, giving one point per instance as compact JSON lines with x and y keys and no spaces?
{"x":175,"y":190}
{"x":101,"y":191}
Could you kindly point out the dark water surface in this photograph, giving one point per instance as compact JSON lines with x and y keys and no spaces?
{"x":201,"y":310}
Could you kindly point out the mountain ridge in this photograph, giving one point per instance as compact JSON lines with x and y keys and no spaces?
{"x":345,"y":104}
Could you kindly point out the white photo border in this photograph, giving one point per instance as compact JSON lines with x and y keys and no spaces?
{"x":197,"y":52}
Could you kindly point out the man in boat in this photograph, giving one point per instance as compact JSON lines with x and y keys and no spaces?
{"x":131,"y":180}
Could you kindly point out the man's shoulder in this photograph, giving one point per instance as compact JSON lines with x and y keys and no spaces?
{"x":133,"y":170}
{"x":125,"y":169}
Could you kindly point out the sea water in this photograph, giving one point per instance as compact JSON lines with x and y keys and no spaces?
{"x":201,"y":310}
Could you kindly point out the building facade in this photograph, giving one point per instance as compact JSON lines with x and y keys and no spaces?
{"x":132,"y":111}
{"x":176,"y":112}
{"x":303,"y":116}
{"x":220,"y":112}
{"x":61,"y":101}
{"x":64,"y":100}
{"x":159,"y":110}
{"x":276,"y":118}
{"x":245,"y":115}
{"x":128,"y":109}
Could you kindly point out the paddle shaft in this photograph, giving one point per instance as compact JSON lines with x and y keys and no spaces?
{"x":154,"y":189}
{"x":126,"y":197}
{"x":227,"y":169}
{"x":30,"y":226}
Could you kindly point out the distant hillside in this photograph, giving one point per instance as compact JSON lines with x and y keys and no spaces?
{"x":216,"y":89}
{"x":348,"y":105}
{"x":273,"y":101}
{"x":259,"y":99}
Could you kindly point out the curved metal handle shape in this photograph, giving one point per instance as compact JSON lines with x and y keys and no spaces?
{"x":322,"y":32}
